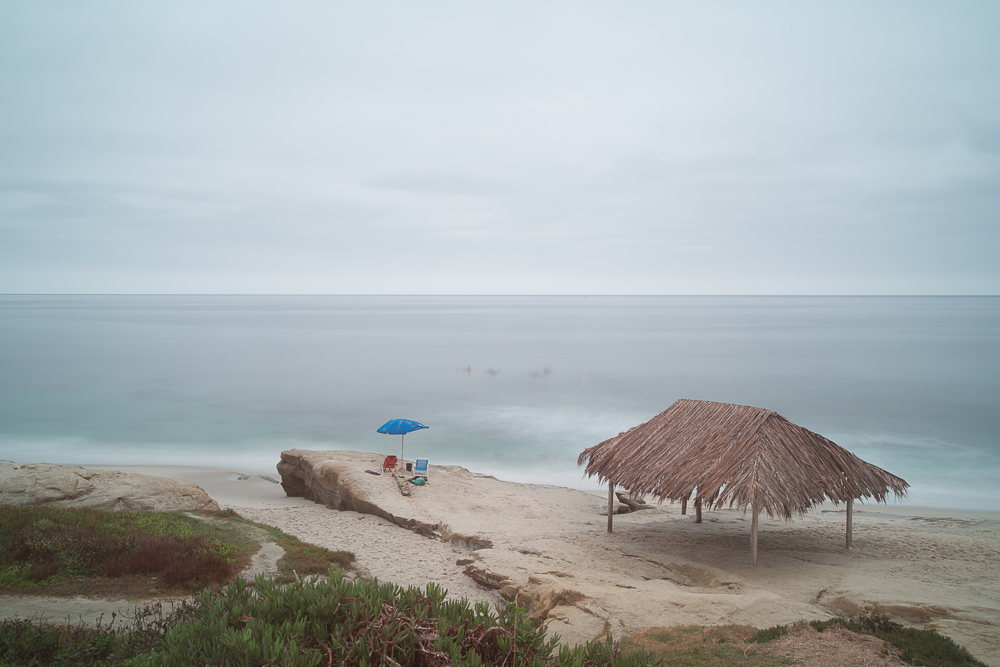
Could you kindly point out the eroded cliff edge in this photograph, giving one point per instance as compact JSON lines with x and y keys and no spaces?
{"x":352,"y":481}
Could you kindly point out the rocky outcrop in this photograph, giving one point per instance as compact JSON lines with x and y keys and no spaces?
{"x":633,"y":504}
{"x":627,"y":504}
{"x":339,"y":480}
{"x":484,"y":577}
{"x":42,"y":483}
{"x":326,"y":478}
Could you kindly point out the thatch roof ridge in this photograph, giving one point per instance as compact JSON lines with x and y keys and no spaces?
{"x":736,"y":455}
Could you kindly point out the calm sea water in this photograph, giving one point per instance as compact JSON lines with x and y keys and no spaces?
{"x":516,"y":387}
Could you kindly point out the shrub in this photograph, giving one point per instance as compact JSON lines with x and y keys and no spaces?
{"x":24,"y":642}
{"x":928,"y":647}
{"x":81,"y":550}
{"x":344,"y":622}
{"x":768,"y":634}
{"x":34,"y":643}
{"x":820,"y":626}
{"x":919,"y":647}
{"x":699,"y":646}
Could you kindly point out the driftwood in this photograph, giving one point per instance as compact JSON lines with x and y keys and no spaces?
{"x":404,"y":486}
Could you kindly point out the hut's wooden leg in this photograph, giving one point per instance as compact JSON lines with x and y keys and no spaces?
{"x":697,"y":510}
{"x":611,"y":504}
{"x":753,"y":538}
{"x":684,"y":506}
{"x":850,"y":523}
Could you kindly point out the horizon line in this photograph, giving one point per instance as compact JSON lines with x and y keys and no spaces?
{"x":490,"y":294}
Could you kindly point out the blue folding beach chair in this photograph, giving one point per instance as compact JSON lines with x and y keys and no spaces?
{"x":420,"y":468}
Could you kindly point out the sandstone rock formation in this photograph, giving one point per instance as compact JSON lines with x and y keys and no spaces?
{"x":41,"y":483}
{"x":339,"y":480}
{"x":633,"y":504}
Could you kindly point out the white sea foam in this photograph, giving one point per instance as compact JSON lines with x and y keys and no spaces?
{"x":511,"y":386}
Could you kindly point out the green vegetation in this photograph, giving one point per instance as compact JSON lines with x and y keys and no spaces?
{"x":728,"y":645}
{"x":334,"y":621}
{"x":343,"y":622}
{"x":927,"y":648}
{"x":34,"y":643}
{"x":57,"y":551}
{"x":25,"y":643}
{"x":770,"y":634}
{"x":698,"y":646}
{"x":918,"y":647}
{"x":46,"y":550}
{"x":289,"y":620}
{"x":301,"y":559}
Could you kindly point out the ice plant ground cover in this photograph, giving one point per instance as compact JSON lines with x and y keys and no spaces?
{"x":58,"y":551}
{"x":339,"y":621}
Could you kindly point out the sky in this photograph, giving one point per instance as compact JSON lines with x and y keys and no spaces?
{"x":500,"y":148}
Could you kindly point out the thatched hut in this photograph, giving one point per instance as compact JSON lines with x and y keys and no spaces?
{"x":735,"y":455}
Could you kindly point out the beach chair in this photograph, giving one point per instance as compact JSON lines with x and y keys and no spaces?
{"x":389,"y":464}
{"x":420,"y":468}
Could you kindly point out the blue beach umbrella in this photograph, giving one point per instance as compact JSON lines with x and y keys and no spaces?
{"x":400,"y":427}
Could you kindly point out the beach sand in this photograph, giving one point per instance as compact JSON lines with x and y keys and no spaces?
{"x":924,"y":567}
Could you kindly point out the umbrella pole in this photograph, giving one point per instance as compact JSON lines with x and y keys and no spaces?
{"x":402,"y":438}
{"x":753,"y":537}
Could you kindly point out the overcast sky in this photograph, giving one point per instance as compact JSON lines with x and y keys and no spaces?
{"x":500,"y":148}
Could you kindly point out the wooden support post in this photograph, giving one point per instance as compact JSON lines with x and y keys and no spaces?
{"x":684,"y":506}
{"x":850,"y":523}
{"x":611,"y":504}
{"x":753,"y":538}
{"x":697,"y":510}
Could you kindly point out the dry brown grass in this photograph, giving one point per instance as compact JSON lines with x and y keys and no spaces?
{"x":698,"y":646}
{"x":57,"y":551}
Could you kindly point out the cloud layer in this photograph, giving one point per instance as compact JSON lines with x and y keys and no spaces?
{"x":639,"y":148}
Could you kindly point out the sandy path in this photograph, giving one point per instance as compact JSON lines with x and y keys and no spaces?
{"x":382,"y":549}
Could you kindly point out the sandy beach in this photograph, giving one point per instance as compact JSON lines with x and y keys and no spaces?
{"x":925,"y":567}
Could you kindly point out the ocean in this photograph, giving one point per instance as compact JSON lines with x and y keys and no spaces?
{"x":510,"y":386}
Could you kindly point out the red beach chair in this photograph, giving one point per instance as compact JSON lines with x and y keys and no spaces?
{"x":389,"y":464}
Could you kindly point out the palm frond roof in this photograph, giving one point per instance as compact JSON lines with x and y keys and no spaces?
{"x":736,"y":455}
